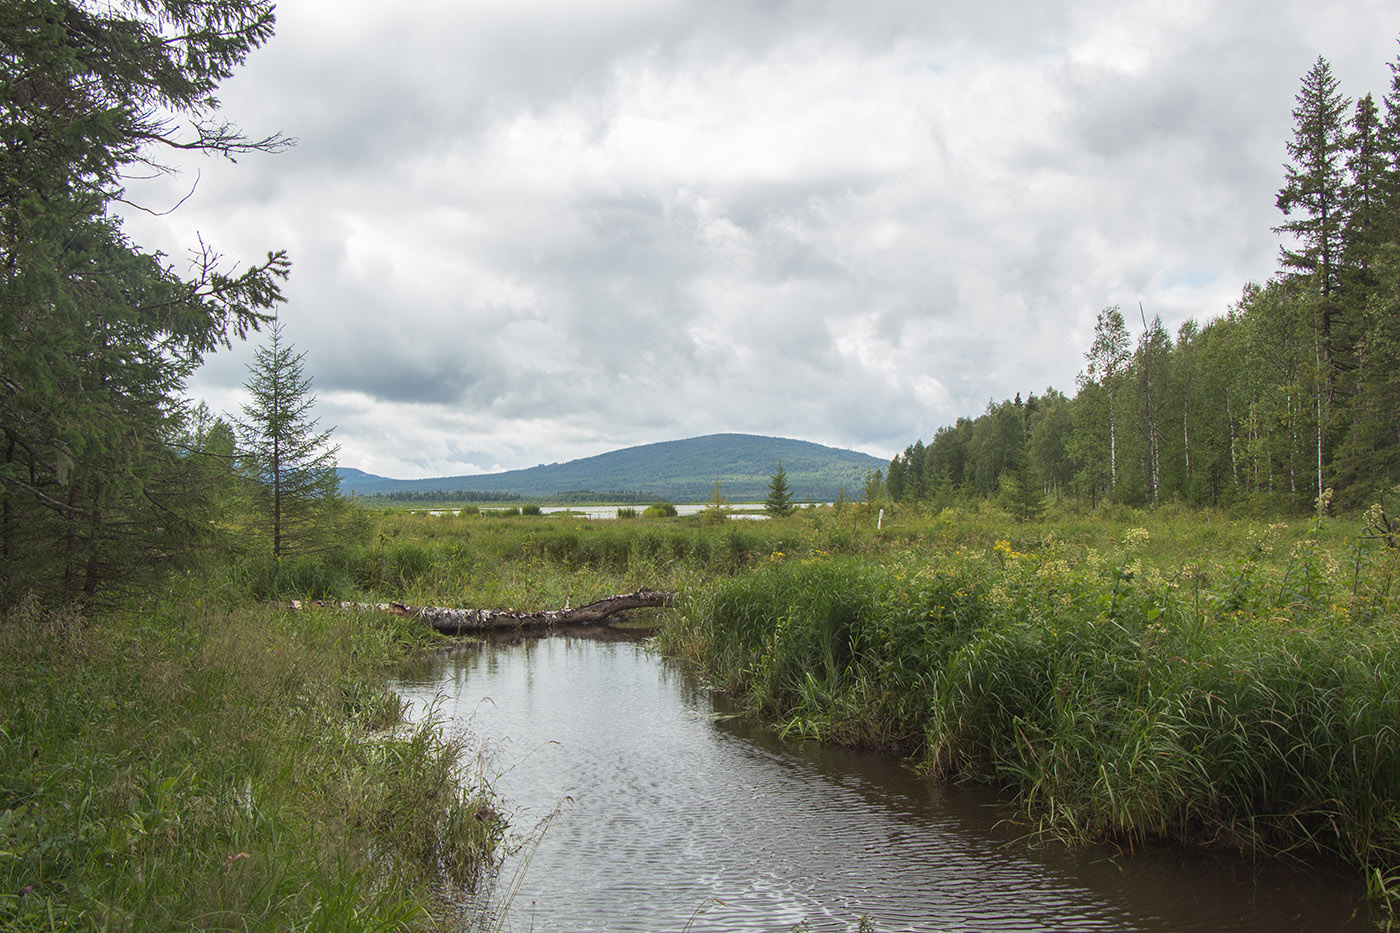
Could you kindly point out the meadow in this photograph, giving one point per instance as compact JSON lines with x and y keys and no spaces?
{"x":1141,"y":677}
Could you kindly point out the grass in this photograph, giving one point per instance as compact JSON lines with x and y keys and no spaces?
{"x":1198,"y":677}
{"x":194,"y":765}
{"x":1195,"y":678}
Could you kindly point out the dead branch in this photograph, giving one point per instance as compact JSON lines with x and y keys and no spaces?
{"x":451,"y":621}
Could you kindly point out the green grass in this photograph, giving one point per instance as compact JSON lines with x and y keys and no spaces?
{"x":1195,"y":677}
{"x":1189,"y":678}
{"x":191,"y":765}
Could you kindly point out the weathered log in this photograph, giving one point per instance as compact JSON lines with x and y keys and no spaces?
{"x":451,"y":621}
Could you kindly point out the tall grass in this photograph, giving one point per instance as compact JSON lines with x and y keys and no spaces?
{"x":1140,"y":688}
{"x":531,"y":563}
{"x":195,"y":765}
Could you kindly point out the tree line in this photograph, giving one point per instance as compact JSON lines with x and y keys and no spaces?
{"x":1294,"y":391}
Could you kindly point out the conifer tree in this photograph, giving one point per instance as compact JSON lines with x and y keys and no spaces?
{"x":717,"y":511}
{"x":281,"y":450}
{"x":1313,"y":198}
{"x":779,"y":501}
{"x":98,"y":337}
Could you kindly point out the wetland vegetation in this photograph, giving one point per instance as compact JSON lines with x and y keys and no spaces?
{"x":1137,"y":676}
{"x":178,"y":751}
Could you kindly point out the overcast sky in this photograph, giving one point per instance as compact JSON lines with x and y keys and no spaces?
{"x":528,"y":231}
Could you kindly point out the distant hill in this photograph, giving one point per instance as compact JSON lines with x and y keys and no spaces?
{"x":676,"y":471}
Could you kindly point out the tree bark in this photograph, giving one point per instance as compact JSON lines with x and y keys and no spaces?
{"x":451,"y":621}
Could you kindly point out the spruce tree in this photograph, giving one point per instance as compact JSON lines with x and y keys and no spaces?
{"x":1313,"y":198}
{"x":282,"y":452}
{"x":97,"y":337}
{"x":779,"y":501}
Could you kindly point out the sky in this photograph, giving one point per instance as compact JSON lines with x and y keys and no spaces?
{"x":527,"y":231}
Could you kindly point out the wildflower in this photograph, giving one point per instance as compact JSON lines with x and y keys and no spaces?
{"x":1135,"y":538}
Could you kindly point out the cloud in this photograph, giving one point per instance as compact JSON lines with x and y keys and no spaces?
{"x":531,"y":231}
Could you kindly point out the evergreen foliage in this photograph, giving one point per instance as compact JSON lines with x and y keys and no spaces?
{"x":779,"y":501}
{"x":97,"y":337}
{"x":281,"y":451}
{"x":1293,"y":391}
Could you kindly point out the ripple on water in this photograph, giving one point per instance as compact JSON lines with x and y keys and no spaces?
{"x":669,"y":816}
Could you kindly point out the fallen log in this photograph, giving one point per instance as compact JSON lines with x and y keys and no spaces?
{"x":451,"y":621}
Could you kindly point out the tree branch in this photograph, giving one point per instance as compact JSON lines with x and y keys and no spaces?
{"x":458,"y":621}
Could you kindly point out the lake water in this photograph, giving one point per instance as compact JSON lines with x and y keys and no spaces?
{"x":746,"y":510}
{"x":661,"y":813}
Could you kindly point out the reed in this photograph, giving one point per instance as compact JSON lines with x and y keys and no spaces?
{"x":1121,"y":692}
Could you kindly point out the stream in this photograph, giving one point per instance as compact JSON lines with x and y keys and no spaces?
{"x":640,"y":804}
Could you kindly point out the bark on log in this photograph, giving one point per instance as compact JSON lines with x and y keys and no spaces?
{"x":451,"y":621}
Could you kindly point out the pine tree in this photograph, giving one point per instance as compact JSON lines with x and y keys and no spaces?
{"x":779,"y":501}
{"x":281,"y":450}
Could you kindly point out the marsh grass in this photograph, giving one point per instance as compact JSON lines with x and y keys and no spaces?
{"x":190,"y":765}
{"x":1163,"y":681}
{"x":200,"y":761}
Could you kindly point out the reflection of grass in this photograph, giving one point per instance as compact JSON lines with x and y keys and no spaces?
{"x":192,"y":765}
{"x":1156,"y":680}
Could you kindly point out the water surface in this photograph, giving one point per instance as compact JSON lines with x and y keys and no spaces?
{"x":661,"y":814}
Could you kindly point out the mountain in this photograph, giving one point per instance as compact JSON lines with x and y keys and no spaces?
{"x":676,"y":471}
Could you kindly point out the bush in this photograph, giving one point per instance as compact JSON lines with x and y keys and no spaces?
{"x":659,"y":510}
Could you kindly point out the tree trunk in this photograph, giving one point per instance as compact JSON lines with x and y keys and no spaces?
{"x":458,"y":621}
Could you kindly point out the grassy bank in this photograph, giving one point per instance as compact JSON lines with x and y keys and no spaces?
{"x":1190,"y":678}
{"x":200,"y":760}
{"x":189,"y":764}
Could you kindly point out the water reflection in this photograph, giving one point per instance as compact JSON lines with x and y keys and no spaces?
{"x":670,"y":816}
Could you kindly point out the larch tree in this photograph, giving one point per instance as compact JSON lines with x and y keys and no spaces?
{"x":281,"y":450}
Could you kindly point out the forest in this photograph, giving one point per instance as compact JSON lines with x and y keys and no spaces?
{"x":1293,"y":391}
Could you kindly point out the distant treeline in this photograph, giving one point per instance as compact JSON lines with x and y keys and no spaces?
{"x":577,"y":497}
{"x":1296,"y":390}
{"x":439,"y":495}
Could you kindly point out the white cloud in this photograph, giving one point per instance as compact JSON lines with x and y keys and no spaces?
{"x":530,"y":231}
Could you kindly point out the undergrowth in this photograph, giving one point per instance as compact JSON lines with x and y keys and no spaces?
{"x":193,"y":765}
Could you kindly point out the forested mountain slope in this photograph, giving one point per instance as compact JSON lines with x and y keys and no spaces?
{"x":680,"y":471}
